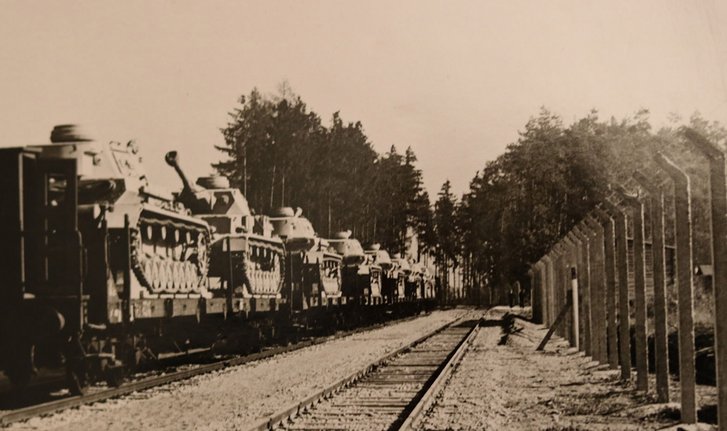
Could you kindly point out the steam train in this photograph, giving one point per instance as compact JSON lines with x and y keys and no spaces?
{"x":103,"y":274}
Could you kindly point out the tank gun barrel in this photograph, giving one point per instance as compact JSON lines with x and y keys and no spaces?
{"x":172,"y":159}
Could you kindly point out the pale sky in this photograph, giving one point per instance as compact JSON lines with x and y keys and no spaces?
{"x":455,"y":80}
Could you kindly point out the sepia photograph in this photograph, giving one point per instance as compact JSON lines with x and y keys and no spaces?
{"x":417,"y":215}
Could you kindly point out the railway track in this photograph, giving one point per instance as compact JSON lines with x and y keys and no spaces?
{"x":389,"y":394}
{"x":96,"y":394}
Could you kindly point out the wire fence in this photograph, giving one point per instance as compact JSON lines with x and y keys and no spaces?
{"x":615,"y":271}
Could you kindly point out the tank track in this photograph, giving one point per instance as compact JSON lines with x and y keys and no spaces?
{"x":264,"y":267}
{"x":169,"y":256}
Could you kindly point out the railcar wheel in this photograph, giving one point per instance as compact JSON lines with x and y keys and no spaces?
{"x":77,"y":377}
{"x":115,"y":375}
{"x":21,"y":366}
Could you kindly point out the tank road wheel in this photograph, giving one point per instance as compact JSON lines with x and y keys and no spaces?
{"x":165,"y":275}
{"x":154,"y":275}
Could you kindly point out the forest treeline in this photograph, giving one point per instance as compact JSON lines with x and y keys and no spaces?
{"x":523,"y":202}
{"x":280,"y":153}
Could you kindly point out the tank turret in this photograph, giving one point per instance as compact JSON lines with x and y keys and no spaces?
{"x":296,"y":231}
{"x":96,"y":160}
{"x":349,"y":248}
{"x":212,"y":199}
{"x":379,"y":256}
{"x":402,"y":264}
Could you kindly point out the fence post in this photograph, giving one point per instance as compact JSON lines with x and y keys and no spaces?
{"x":576,"y":290}
{"x":661,"y":350}
{"x":542,"y":288}
{"x":566,"y":286}
{"x":718,"y":198}
{"x":563,"y":287}
{"x":552,"y":279}
{"x":552,"y":296}
{"x":682,"y":210}
{"x":535,"y":292}
{"x":531,"y":278}
{"x":548,"y":288}
{"x":610,"y":271}
{"x":558,"y":286}
{"x":598,"y":291}
{"x":575,"y":328}
{"x":623,"y":288}
{"x":637,"y":215}
{"x":584,"y":287}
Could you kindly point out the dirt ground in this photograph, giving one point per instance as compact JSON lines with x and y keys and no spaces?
{"x":512,"y":387}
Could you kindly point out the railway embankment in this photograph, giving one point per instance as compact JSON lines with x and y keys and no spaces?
{"x":510,"y":386}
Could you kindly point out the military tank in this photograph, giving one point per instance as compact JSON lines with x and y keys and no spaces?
{"x":392,"y":278}
{"x":314,"y":271}
{"x":168,"y":247}
{"x":361,"y":277}
{"x":403,"y":270}
{"x":92,"y":251}
{"x":247,"y":265}
{"x":415,"y":282}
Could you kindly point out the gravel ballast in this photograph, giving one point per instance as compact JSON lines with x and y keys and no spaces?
{"x":238,"y":397}
{"x":513,"y":387}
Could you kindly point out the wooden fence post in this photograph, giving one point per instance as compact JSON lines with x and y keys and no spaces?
{"x":718,"y":198}
{"x":661,"y":351}
{"x":682,"y":209}
{"x":637,"y":215}
{"x":610,"y":271}
{"x":623,"y":288}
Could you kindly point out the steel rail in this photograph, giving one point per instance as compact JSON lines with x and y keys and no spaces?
{"x":289,"y":413}
{"x":436,"y":386}
{"x":55,"y":406}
